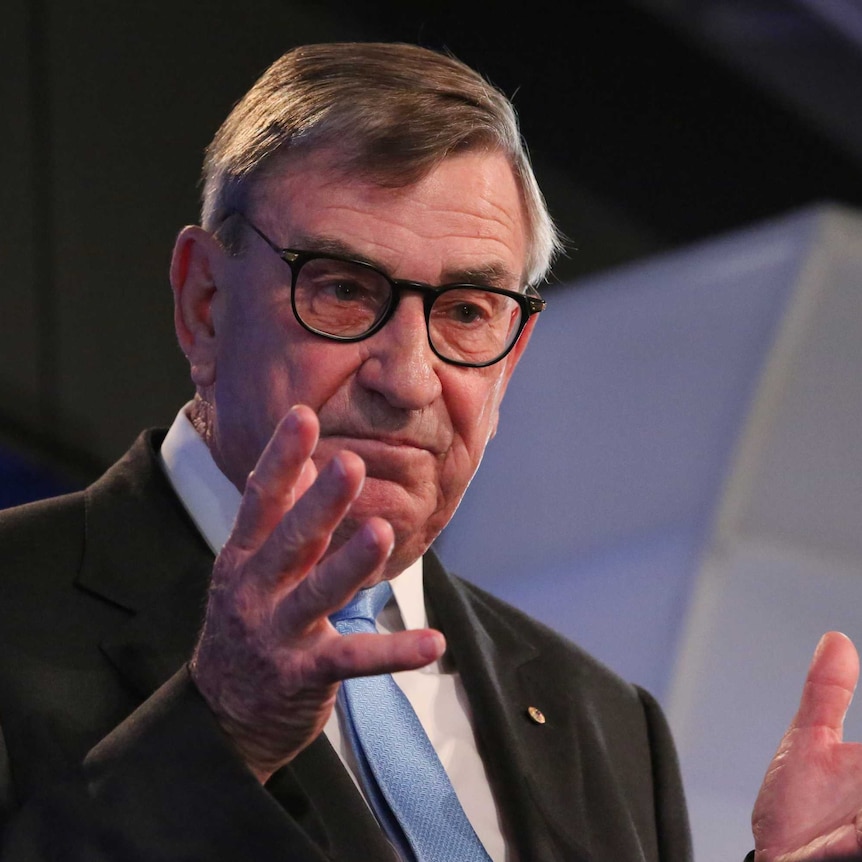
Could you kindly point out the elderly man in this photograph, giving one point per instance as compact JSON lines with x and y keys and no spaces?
{"x":352,"y":308}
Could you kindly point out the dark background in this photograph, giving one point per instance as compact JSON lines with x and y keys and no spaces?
{"x":651,"y":124}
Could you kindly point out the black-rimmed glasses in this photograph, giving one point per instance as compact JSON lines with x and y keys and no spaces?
{"x":349,"y":300}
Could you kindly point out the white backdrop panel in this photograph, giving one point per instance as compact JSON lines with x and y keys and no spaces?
{"x":677,"y":485}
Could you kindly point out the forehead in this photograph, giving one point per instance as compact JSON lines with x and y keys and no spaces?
{"x":465,"y":215}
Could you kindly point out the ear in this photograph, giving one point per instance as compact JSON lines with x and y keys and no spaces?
{"x":511,"y":360}
{"x":194,"y":262}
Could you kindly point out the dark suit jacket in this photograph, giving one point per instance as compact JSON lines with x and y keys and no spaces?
{"x":109,"y":753}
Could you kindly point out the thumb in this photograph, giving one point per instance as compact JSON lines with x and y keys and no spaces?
{"x":829,"y":685}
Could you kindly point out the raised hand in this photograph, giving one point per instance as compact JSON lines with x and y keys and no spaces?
{"x":810,"y":804}
{"x":268,"y":661}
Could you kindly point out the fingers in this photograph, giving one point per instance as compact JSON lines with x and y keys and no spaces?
{"x":370,"y":654}
{"x":268,"y":660}
{"x":333,"y":583}
{"x":301,"y":538}
{"x":282,"y":474}
{"x":829,"y":685}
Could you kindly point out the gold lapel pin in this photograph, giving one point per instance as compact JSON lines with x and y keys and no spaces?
{"x":536,"y":714}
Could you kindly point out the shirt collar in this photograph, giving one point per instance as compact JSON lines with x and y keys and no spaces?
{"x":212,"y":501}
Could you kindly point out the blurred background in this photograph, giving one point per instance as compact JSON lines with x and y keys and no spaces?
{"x":699,"y":366}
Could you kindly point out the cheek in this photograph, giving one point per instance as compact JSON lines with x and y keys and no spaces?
{"x":277,"y":364}
{"x":253,"y":369}
{"x":473,"y":410}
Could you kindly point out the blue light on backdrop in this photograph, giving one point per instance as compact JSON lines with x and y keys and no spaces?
{"x":24,"y":479}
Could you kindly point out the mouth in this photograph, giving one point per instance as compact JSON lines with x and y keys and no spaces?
{"x":382,"y":443}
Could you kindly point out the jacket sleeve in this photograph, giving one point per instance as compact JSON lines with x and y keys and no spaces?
{"x":129,"y":800}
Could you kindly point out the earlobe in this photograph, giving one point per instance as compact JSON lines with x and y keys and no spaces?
{"x":193,"y":282}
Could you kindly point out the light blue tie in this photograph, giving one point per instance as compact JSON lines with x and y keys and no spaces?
{"x":402,"y":775}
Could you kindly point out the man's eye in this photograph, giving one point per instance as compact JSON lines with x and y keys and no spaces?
{"x":458,"y":310}
{"x":346,"y":291}
{"x":466,"y":312}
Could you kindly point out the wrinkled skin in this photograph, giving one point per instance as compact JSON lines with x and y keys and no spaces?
{"x":367,"y":447}
{"x":268,"y":658}
{"x":810,"y":804}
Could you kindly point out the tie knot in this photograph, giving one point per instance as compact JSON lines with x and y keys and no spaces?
{"x":366,"y":604}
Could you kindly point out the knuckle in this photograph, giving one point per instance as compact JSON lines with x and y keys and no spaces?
{"x":313,"y":593}
{"x":302,"y":543}
{"x":327,"y":668}
{"x":258,"y":490}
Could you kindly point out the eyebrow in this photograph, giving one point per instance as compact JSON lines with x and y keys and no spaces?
{"x":492,"y":274}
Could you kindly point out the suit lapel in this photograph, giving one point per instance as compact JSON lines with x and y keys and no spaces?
{"x":499,"y":671}
{"x":144,"y":554}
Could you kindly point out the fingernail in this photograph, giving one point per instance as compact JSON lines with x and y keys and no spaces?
{"x":338,"y":467}
{"x":293,"y":420}
{"x":369,"y":538}
{"x":431,"y":646}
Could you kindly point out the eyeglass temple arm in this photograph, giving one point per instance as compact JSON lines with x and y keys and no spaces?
{"x":536,"y":303}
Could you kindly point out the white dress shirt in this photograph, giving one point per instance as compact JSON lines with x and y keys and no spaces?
{"x":435,"y":692}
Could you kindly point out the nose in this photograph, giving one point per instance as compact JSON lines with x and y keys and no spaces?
{"x":400,"y":364}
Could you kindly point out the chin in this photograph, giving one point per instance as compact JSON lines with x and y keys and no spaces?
{"x":407,"y":511}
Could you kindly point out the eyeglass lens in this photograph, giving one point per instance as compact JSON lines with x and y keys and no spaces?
{"x":347,"y":300}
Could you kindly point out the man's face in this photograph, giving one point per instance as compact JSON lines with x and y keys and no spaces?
{"x":420,"y":425}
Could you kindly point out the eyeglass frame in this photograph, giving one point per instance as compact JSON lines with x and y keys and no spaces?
{"x":530,"y":302}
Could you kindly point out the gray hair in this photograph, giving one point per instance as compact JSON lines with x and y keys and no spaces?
{"x":390,"y":113}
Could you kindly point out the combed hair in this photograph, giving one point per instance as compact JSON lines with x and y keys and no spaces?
{"x":389,"y":112}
